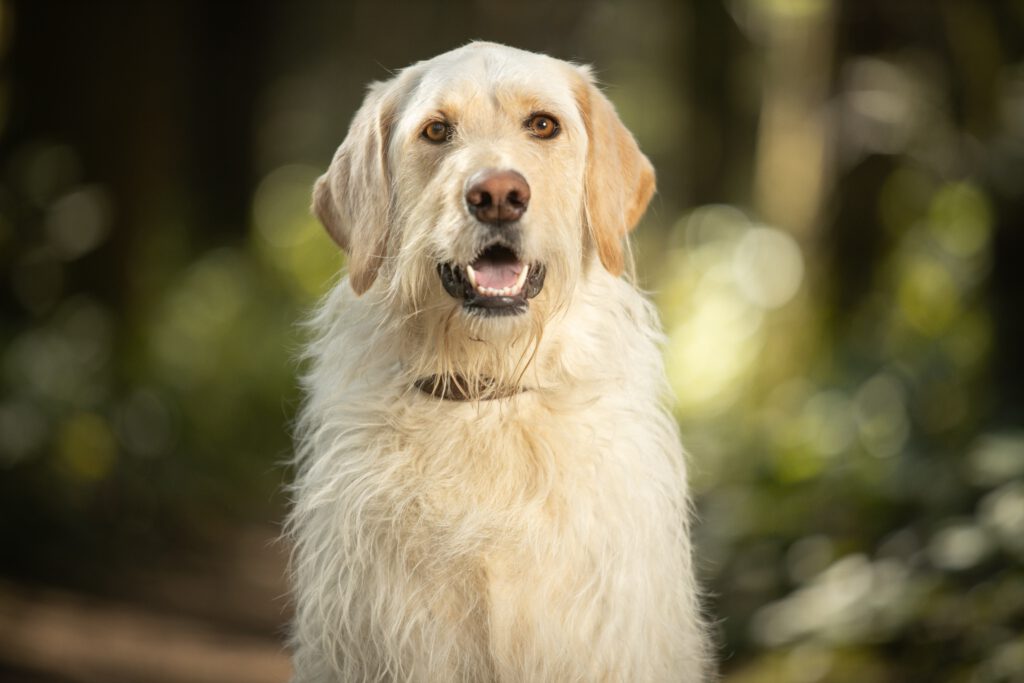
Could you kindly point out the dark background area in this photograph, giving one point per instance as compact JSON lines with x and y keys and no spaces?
{"x":836,"y":250}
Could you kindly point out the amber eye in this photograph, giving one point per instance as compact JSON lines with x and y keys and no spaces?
{"x":437,"y":131}
{"x":543,"y":126}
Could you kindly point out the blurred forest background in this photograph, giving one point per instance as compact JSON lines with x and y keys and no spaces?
{"x":836,"y":250}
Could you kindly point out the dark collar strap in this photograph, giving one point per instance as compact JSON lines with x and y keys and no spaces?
{"x":458,"y":388}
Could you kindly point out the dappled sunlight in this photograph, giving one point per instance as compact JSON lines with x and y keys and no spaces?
{"x":960,"y":220}
{"x":928,"y":297}
{"x":996,"y":459}
{"x":853,"y":600}
{"x":959,"y":545}
{"x":709,"y":352}
{"x":720,"y":286}
{"x":837,"y":423}
{"x":768,"y":267}
{"x":1002,"y":512}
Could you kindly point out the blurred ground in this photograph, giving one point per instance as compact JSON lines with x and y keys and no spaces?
{"x":201,"y":619}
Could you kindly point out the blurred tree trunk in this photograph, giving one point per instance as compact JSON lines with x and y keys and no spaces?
{"x":157,"y":100}
{"x":794,"y":168}
{"x":793,"y":173}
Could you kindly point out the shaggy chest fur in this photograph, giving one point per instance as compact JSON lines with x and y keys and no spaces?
{"x":512,"y":536}
{"x":520,"y":539}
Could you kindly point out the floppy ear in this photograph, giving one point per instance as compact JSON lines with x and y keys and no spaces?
{"x":352,"y":198}
{"x":619,"y":179}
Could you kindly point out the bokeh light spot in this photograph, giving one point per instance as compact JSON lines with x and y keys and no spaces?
{"x":79,"y":221}
{"x":997,"y":458}
{"x":1002,"y":511}
{"x":959,"y":546}
{"x":711,"y":223}
{"x":288,"y":236}
{"x":711,"y":351}
{"x":928,"y":295}
{"x":960,"y":219}
{"x":86,"y":447}
{"x":768,"y":267}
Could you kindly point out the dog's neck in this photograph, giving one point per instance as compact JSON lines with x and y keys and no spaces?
{"x":459,"y":388}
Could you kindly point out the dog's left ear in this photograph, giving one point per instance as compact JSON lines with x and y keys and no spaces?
{"x":619,"y":178}
{"x":352,"y":198}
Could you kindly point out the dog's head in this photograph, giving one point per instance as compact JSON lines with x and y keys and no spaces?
{"x":480,"y":184}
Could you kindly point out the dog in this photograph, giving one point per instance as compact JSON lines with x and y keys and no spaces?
{"x":489,"y":486}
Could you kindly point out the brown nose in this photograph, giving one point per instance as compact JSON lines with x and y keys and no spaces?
{"x":497,"y":196}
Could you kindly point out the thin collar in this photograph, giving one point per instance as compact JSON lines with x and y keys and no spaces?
{"x":458,"y":388}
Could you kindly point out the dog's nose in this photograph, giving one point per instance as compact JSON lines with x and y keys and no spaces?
{"x":497,"y":196}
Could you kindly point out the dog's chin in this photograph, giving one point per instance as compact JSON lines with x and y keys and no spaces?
{"x":494,"y":284}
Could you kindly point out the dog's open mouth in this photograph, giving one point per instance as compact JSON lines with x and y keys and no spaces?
{"x":496,"y":282}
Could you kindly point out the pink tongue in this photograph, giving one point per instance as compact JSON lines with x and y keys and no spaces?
{"x":496,"y":275}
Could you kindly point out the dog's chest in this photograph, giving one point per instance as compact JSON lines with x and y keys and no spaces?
{"x":501,"y":466}
{"x":531,"y":518}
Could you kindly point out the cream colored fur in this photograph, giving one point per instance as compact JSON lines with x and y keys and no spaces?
{"x":541,"y":536}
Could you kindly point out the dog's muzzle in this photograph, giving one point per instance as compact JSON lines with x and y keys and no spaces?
{"x":496,"y":282}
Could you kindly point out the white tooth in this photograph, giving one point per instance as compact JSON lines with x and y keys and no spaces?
{"x":521,"y":280}
{"x":471,"y":274}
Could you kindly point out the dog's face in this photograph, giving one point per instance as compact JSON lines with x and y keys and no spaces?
{"x":479,"y":185}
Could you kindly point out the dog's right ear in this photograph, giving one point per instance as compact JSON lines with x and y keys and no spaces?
{"x":352,"y":198}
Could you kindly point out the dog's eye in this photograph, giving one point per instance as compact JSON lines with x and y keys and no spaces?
{"x":437,"y":131}
{"x":543,"y":126}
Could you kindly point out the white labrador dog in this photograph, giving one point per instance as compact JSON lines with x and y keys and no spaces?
{"x":489,"y":485}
